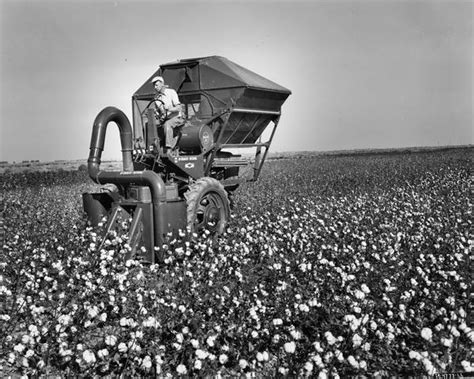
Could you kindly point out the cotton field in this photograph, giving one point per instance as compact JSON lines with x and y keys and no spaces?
{"x":331,"y":266}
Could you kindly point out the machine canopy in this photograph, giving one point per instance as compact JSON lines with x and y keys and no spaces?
{"x":210,"y":86}
{"x":223,"y":82}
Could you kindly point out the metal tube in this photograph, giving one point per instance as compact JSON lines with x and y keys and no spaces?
{"x":267,"y":147}
{"x":257,"y":111}
{"x":127,"y":176}
{"x":243,"y":145}
{"x":98,"y":138}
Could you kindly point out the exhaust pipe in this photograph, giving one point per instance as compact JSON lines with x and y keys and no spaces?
{"x":127,"y":176}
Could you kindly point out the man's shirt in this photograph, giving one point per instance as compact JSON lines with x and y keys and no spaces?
{"x":170,"y":99}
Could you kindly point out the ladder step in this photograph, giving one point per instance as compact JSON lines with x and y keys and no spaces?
{"x":230,"y":162}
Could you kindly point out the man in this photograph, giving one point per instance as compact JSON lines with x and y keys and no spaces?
{"x":169,"y":109}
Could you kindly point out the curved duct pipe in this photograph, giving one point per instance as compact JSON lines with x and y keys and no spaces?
{"x":127,"y":176}
{"x":98,"y":139}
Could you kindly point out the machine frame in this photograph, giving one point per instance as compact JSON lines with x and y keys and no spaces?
{"x":159,"y":193}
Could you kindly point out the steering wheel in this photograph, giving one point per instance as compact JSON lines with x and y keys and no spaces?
{"x":160,"y":109}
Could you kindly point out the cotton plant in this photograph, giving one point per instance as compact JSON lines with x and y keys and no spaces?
{"x":330,"y":267}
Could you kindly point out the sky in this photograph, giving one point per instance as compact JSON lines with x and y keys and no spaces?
{"x":363,"y":74}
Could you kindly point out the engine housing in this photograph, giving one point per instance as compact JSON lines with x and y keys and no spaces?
{"x":195,"y":139}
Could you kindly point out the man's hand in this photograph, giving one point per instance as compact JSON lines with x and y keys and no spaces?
{"x":176,"y":108}
{"x":160,"y":110}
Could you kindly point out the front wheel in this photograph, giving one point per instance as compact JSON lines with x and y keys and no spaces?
{"x":207,"y":206}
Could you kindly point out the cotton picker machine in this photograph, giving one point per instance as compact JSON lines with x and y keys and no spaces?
{"x":226,"y":108}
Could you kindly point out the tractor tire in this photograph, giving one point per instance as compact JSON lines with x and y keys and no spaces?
{"x":207,"y":206}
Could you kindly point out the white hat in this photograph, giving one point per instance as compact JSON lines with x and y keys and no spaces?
{"x":157,"y":78}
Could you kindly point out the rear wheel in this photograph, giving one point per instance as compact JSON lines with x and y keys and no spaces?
{"x":207,"y":206}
